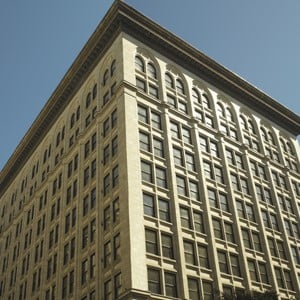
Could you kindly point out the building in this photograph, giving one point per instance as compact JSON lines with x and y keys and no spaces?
{"x":151,"y":173}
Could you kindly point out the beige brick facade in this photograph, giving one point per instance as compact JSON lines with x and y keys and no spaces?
{"x":151,"y":173}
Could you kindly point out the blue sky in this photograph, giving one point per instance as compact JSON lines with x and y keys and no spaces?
{"x":258,"y":40}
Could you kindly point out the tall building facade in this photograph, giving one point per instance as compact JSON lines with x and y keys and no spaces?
{"x":151,"y":173}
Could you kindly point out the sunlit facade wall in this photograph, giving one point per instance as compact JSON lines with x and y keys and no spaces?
{"x":149,"y":181}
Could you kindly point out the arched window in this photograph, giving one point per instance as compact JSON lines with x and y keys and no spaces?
{"x":113,"y":68}
{"x":264,"y":134}
{"x":88,"y":100}
{"x":229,"y":115}
{"x":57,"y":139}
{"x":205,"y":101}
{"x":289,"y":148}
{"x":179,"y":86}
{"x":220,"y":109}
{"x":196,"y":96}
{"x":78,"y":113}
{"x":72,"y":122}
{"x":105,"y":77}
{"x":251,"y":127}
{"x":169,"y":81}
{"x":139,"y":64}
{"x":243,"y":123}
{"x":271,"y":138}
{"x":151,"y":70}
{"x":282,"y":143}
{"x":95,"y":91}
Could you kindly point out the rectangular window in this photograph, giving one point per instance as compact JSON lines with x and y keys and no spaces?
{"x":203,"y":256}
{"x":155,"y":120}
{"x":234,"y":181}
{"x":141,"y":84}
{"x":106,"y":217}
{"x":224,"y":202}
{"x":151,"y":241}
{"x":207,"y":170}
{"x":117,"y":244}
{"x":116,"y":210}
{"x":106,"y":184}
{"x":64,"y":287}
{"x":178,"y":157}
{"x":105,"y":127}
{"x":84,"y":271}
{"x":252,"y":270}
{"x":153,"y":91}
{"x":229,"y":232}
{"x":198,"y":222}
{"x":246,"y":238}
{"x":93,"y":168}
{"x":92,"y":230}
{"x":218,"y":229}
{"x":263,"y":273}
{"x":256,"y":241}
{"x":94,"y":141}
{"x":185,"y":217}
{"x":106,"y":155}
{"x":170,"y":285}
{"x":71,"y":282}
{"x":85,"y":236}
{"x":107,"y":254}
{"x":190,"y":161}
{"x":189,"y":252}
{"x":186,"y":135}
{"x":114,"y":146}
{"x":146,"y":171}
{"x":154,"y":281}
{"x":143,"y":114}
{"x":115,"y":176}
{"x":194,"y":191}
{"x":235,"y":267}
{"x":117,"y":285}
{"x":86,"y":175}
{"x":167,"y":246}
{"x":288,"y":280}
{"x":144,"y":141}
{"x":212,"y":198}
{"x":194,"y":293}
{"x":181,"y":186}
{"x":182,"y":106}
{"x":164,"y":210}
{"x":161,"y":177}
{"x":158,"y":147}
{"x":149,"y":208}
{"x":114,"y":118}
{"x":218,"y":174}
{"x":93,"y":197}
{"x":108,"y":290}
{"x":66,"y":254}
{"x":174,"y":130}
{"x":223,"y":265}
{"x":272,"y":247}
{"x":85,"y":206}
{"x":279,"y":278}
{"x":207,"y":290}
{"x":86,"y":149}
{"x":250,"y":212}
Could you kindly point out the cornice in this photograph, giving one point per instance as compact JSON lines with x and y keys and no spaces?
{"x":206,"y":68}
{"x":123,"y":18}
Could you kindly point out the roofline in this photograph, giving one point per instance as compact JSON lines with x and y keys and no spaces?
{"x":123,"y":18}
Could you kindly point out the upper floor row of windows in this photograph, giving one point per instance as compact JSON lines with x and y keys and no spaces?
{"x":200,"y":104}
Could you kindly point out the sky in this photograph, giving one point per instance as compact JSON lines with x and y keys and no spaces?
{"x":39,"y":40}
